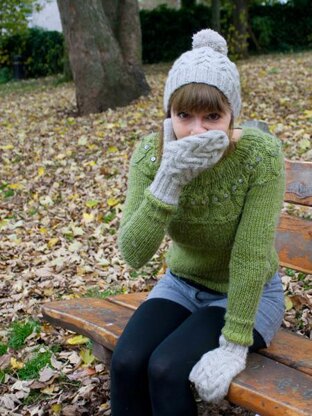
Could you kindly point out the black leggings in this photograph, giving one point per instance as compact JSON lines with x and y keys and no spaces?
{"x":155,"y":354}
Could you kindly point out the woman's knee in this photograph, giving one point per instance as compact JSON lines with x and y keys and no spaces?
{"x":126,"y":364}
{"x":161,"y":371}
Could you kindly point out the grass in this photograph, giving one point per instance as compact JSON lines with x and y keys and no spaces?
{"x":35,"y":396}
{"x":33,"y":367}
{"x":96,"y":293}
{"x":3,"y":349}
{"x":2,"y":376}
{"x":28,"y":85}
{"x":19,"y":331}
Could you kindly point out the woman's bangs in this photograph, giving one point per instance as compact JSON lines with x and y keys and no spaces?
{"x":199,"y":98}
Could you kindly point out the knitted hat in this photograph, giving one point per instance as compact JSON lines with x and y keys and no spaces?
{"x":206,"y":63}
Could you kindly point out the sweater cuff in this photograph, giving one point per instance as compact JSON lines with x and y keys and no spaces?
{"x":159,"y":208}
{"x":238,"y":331}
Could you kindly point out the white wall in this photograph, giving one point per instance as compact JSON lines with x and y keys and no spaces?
{"x":48,"y":18}
{"x":151,"y":4}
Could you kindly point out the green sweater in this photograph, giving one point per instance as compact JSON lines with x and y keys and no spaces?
{"x":223,"y":229}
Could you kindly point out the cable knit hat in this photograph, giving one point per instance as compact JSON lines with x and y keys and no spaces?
{"x":206,"y":63}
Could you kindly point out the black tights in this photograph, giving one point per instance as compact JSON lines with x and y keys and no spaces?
{"x":155,"y":354}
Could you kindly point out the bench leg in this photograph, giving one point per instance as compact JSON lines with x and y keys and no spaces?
{"x":101,"y":353}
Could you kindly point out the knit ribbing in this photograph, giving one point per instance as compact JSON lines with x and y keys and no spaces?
{"x":206,"y":63}
{"x":223,"y":228}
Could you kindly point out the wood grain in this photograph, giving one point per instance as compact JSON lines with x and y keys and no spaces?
{"x":294,"y":243}
{"x":298,"y":182}
{"x":272,"y":389}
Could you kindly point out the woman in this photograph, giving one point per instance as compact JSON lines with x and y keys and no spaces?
{"x":217,"y":191}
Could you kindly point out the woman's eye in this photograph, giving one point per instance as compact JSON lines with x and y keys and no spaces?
{"x":182,"y":115}
{"x":213,"y":116}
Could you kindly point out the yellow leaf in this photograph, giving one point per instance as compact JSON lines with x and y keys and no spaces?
{"x":77,"y":340}
{"x":112,"y":202}
{"x":112,"y":149}
{"x":16,"y":365}
{"x":43,"y":230}
{"x":91,"y":163}
{"x":288,"y":303}
{"x":82,"y":141}
{"x":308,"y":113}
{"x":48,"y":292}
{"x":111,"y":125}
{"x":41,"y":171}
{"x":49,"y":389}
{"x":73,"y":197}
{"x":71,"y":296}
{"x":56,"y":408}
{"x":3,"y":223}
{"x":16,"y":186}
{"x":87,"y":356}
{"x":304,"y":144}
{"x":7,"y":147}
{"x":52,"y":242}
{"x":92,"y":203}
{"x":88,"y":217}
{"x":104,"y":406}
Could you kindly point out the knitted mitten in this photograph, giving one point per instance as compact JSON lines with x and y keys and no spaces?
{"x":213,"y":373}
{"x":185,"y":159}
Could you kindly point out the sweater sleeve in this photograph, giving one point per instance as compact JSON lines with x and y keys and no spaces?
{"x":145,"y":218}
{"x":253,"y":255}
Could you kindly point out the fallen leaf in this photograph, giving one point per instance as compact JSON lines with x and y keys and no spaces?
{"x":16,"y":365}
{"x":87,"y":356}
{"x":77,"y":340}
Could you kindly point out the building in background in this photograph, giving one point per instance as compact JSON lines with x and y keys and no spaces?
{"x":48,"y":17}
{"x":151,"y":4}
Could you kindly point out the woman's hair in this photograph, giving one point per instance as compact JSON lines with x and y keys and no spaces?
{"x":197,"y":97}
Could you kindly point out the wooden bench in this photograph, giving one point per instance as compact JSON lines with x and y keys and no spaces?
{"x":277,"y":380}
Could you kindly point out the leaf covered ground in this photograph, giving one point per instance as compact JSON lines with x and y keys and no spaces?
{"x":62,"y":186}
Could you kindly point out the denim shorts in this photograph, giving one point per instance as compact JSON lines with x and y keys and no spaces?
{"x":270,"y":311}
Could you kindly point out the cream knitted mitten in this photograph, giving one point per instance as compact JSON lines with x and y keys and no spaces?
{"x":214,"y":372}
{"x":184,"y":159}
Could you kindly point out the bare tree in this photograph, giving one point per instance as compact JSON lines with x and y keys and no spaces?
{"x":103,"y":38}
{"x":240,"y":19}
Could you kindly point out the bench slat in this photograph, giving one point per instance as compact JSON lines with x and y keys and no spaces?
{"x":98,"y":319}
{"x":131,"y":301}
{"x":103,"y":320}
{"x":284,"y":349}
{"x":298,"y":183}
{"x":282,"y":391}
{"x":294,"y":243}
{"x":270,"y":388}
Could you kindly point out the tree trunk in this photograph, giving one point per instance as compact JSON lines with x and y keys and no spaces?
{"x":215,"y":12}
{"x":240,"y":18}
{"x":104,"y":43}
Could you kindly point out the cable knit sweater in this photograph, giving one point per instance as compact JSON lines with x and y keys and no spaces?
{"x":223,"y":228}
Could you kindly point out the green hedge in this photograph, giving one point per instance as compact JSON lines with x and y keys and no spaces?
{"x":166,"y":33}
{"x":282,"y":27}
{"x":41,"y":53}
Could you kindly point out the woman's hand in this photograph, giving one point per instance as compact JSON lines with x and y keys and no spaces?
{"x":214,"y":372}
{"x":184,"y":159}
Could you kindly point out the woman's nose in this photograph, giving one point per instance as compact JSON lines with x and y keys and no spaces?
{"x":198,"y":126}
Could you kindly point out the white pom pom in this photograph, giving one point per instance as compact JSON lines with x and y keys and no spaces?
{"x":210,"y":38}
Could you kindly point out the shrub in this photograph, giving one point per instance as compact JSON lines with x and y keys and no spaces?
{"x":41,"y":52}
